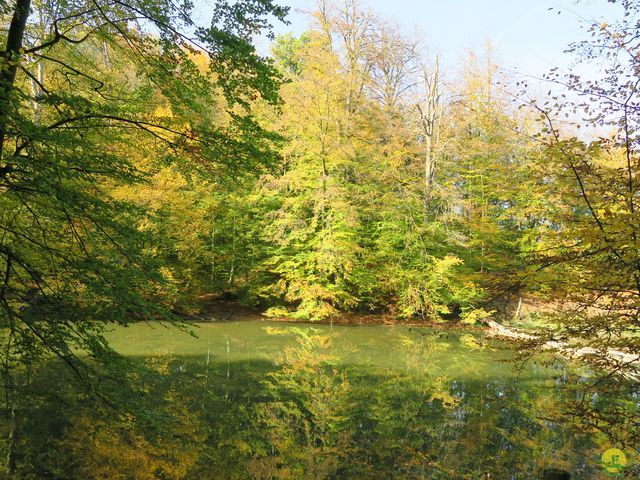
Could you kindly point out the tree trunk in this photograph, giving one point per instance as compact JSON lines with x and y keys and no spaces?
{"x":11,"y":444}
{"x":9,"y":65}
{"x":430,"y":114}
{"x":518,"y":309}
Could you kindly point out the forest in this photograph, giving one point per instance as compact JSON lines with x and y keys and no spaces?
{"x":343,"y":258}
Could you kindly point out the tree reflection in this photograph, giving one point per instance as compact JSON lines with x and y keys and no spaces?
{"x":312,"y":415}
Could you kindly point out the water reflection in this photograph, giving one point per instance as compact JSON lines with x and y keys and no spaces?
{"x":267,"y":401}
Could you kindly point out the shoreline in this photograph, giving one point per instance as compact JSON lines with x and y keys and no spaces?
{"x":229,"y":311}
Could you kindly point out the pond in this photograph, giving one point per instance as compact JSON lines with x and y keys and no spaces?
{"x":282,"y":400}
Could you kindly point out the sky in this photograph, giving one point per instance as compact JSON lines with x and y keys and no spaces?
{"x":528,"y":36}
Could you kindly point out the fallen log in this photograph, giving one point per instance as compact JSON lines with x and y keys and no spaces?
{"x":624,"y":363}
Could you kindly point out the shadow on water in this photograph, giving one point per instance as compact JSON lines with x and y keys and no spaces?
{"x":294,"y":402}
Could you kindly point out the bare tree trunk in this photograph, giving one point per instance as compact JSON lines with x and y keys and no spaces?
{"x":429,"y":116}
{"x":9,"y":66}
{"x":517,"y":315}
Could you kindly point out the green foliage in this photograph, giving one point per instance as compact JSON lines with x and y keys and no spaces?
{"x":287,"y":50}
{"x":75,"y":239}
{"x":102,"y":102}
{"x":341,"y":219}
{"x":588,"y":256}
{"x":348,"y":224}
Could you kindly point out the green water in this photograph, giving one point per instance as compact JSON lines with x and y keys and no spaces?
{"x":278,"y":400}
{"x":368,"y":346}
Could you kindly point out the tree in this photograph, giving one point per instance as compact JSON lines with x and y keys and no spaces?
{"x":430,"y":118}
{"x":314,"y":227}
{"x":345,"y":214}
{"x":589,"y":255}
{"x":487,"y":174}
{"x":119,"y":91}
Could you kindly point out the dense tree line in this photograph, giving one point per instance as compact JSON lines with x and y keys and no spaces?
{"x":394,"y":192}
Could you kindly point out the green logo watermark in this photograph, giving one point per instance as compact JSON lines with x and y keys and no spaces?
{"x":614,"y":461}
